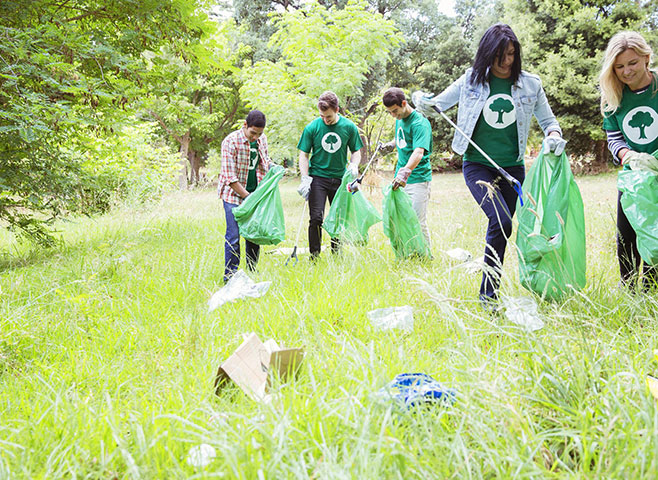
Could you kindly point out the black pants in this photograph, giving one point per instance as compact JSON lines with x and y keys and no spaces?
{"x":499,"y":207}
{"x":321,"y":190}
{"x":628,"y":255}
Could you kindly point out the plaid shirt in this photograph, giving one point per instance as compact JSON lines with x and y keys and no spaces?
{"x":235,"y":164}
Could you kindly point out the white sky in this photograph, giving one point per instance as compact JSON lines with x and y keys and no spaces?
{"x":446,"y":7}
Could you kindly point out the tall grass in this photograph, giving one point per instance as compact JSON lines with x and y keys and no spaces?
{"x":108,"y":356}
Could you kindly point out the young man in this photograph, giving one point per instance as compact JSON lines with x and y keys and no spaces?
{"x":327,"y":140}
{"x":244,"y":163}
{"x":413,"y":138}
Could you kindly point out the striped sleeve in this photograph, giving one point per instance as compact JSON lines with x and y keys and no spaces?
{"x":616,"y":142}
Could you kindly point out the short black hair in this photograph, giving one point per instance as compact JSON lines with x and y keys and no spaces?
{"x":492,"y":46}
{"x":256,"y":118}
{"x":393,"y":96}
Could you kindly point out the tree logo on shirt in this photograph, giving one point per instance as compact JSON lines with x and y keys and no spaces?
{"x":331,"y":142}
{"x":499,"y":111}
{"x":253,"y":158}
{"x":400,"y":141}
{"x":640,"y":125}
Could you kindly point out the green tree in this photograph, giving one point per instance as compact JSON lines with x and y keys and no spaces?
{"x":195,"y":98}
{"x":641,"y":120}
{"x":68,"y":74}
{"x":501,"y":106}
{"x":322,"y":48}
{"x":452,"y":56}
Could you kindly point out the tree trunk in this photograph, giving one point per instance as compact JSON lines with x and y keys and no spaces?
{"x":193,"y":157}
{"x":600,"y":147}
{"x":184,"y":152}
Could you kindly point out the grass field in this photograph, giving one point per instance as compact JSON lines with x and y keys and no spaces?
{"x":108,"y":356}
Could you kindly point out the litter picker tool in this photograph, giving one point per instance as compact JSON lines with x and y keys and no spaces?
{"x":352,"y":186}
{"x":516,"y":185}
{"x":293,"y":255}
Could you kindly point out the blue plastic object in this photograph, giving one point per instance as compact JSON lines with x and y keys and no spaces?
{"x":412,"y":389}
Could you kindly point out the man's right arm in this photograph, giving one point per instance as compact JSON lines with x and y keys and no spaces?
{"x":303,"y":163}
{"x":305,"y":185}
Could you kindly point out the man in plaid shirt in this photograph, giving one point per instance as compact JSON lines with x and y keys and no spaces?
{"x":244,"y":164}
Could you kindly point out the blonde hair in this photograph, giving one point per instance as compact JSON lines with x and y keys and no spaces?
{"x":611,"y":87}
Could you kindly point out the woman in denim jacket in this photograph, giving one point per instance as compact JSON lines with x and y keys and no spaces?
{"x":496,"y":103}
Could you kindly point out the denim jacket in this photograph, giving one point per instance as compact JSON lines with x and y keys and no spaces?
{"x":527,"y":93}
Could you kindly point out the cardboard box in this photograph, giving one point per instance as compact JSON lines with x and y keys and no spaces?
{"x":253,"y":363}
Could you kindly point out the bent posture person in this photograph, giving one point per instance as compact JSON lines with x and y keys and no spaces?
{"x":496,"y":103}
{"x":413,"y":139}
{"x":629,"y":103}
{"x":244,"y":163}
{"x":326,"y":140}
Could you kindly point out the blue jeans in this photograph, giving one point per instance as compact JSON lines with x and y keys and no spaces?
{"x":499,"y":209}
{"x":232,"y":245}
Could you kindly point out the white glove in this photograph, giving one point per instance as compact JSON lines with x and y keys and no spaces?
{"x":353,"y":168}
{"x":424,"y":103}
{"x":553,"y":144}
{"x":305,"y":186}
{"x":401,"y":178}
{"x":640,"y":161}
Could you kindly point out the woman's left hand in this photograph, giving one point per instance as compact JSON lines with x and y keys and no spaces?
{"x":553,"y":143}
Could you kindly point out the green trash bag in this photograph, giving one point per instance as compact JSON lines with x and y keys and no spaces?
{"x":551,"y":234}
{"x":639,"y":201}
{"x":401,"y":225}
{"x":260,"y":216}
{"x":350,"y":216}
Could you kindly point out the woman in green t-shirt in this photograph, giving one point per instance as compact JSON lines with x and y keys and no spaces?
{"x":629,"y":104}
{"x":497,"y":100}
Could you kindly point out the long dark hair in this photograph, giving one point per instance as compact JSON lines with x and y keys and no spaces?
{"x":493,"y":44}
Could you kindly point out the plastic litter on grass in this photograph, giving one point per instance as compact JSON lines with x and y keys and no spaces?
{"x":523,"y":312}
{"x":466,"y":260}
{"x":413,"y":389}
{"x":239,"y":286}
{"x":392,"y":317}
{"x":459,"y":254}
{"x":201,"y":455}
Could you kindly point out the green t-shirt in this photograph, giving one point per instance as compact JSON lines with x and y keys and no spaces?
{"x":495,"y":131}
{"x":254,"y":160}
{"x":411,"y":133}
{"x":637,"y":119}
{"x":328,"y":146}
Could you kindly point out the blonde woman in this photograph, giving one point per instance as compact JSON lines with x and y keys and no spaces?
{"x":629,"y":104}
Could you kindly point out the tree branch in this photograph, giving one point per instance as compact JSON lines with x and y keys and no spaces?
{"x":86,"y":14}
{"x":178,"y":138}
